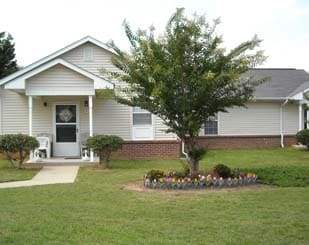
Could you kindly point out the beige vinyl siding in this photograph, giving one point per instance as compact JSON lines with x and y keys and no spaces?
{"x":41,"y":117}
{"x":112,"y":118}
{"x":14,"y":113}
{"x":160,"y":130}
{"x":101,"y":58}
{"x":59,"y":80}
{"x":290,"y":119}
{"x":260,"y":118}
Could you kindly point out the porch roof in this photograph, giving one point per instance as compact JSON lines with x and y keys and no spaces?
{"x":53,"y":56}
{"x":19,"y":84}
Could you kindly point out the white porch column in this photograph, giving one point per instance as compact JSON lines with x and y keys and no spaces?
{"x":300,"y":113}
{"x":30,"y":121}
{"x":30,"y":114}
{"x":307,"y":117}
{"x":90,"y":105}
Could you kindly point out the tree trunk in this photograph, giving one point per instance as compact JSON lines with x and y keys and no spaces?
{"x":106,"y":163}
{"x":21,"y":159}
{"x":100,"y":158}
{"x":193,"y":165}
{"x":107,"y":159}
{"x":10,"y":158}
{"x":190,"y":147}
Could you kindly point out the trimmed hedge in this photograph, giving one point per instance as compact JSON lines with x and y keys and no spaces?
{"x":17,"y":147}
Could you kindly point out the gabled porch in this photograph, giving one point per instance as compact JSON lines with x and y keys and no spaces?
{"x":60,"y":99}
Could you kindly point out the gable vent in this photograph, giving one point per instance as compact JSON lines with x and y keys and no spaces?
{"x":88,"y":54}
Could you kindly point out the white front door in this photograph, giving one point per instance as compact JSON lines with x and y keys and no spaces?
{"x":66,"y":128}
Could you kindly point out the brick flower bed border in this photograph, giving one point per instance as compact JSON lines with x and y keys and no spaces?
{"x":208,"y":182}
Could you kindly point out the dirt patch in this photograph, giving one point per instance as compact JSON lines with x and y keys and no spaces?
{"x":139,"y":187}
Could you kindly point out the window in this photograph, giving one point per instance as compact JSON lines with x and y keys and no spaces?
{"x":142,"y":128}
{"x":141,"y":117}
{"x":88,"y":54}
{"x":211,"y":126}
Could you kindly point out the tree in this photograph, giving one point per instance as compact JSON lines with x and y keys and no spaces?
{"x":8,"y":62}
{"x":104,"y":145}
{"x":17,"y":145}
{"x":184,"y":76}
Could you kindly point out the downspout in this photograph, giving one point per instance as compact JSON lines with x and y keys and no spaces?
{"x":281,"y":123}
{"x":183,"y":149}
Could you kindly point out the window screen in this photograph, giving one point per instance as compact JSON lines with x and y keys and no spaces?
{"x":211,"y":126}
{"x":141,"y":117}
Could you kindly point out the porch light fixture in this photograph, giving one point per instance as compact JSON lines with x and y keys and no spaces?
{"x":86,"y":103}
{"x":45,"y":104}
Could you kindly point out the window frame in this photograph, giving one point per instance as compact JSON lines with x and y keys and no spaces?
{"x":140,"y":127}
{"x":215,"y":119}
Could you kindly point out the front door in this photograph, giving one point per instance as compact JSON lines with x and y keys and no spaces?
{"x":66,"y":122}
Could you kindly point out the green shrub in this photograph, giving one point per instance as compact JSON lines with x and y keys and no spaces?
{"x":303,"y":137}
{"x":155,"y":174}
{"x":222,"y":170}
{"x":17,"y":145}
{"x":104,"y":145}
{"x":284,"y":176}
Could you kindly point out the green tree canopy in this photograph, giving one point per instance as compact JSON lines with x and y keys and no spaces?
{"x":8,"y":62}
{"x":184,"y":76}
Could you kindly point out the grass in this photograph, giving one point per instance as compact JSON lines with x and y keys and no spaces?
{"x":9,"y":173}
{"x":97,"y":210}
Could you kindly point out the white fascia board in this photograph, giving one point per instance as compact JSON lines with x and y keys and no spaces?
{"x":61,"y":62}
{"x":59,"y":93}
{"x":15,"y":84}
{"x":55,"y":55}
{"x":270,"y":98}
{"x":299,"y":96}
{"x":21,"y":84}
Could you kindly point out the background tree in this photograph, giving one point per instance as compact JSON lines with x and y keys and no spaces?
{"x":8,"y":62}
{"x":184,"y":76}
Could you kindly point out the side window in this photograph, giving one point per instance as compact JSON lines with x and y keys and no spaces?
{"x":141,"y":117}
{"x":142,"y":128}
{"x":211,"y":126}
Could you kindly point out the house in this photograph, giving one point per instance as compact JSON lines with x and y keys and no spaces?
{"x":57,"y":95}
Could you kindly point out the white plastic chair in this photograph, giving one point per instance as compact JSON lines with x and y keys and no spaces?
{"x":44,"y":145}
{"x":83,"y":148}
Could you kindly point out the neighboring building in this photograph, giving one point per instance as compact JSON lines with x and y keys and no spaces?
{"x":57,"y":95}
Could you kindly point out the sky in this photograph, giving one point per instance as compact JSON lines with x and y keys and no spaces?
{"x":42,"y":27}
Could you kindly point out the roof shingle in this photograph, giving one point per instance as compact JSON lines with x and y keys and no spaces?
{"x":282,"y":83}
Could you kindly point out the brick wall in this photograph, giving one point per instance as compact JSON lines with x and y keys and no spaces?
{"x":171,"y":149}
{"x":149,"y":150}
{"x":241,"y":142}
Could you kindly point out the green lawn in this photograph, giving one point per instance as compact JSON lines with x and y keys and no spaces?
{"x":97,"y":210}
{"x":9,"y":173}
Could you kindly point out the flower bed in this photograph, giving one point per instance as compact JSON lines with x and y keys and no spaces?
{"x":174,"y":180}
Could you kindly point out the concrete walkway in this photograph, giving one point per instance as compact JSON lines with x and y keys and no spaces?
{"x":48,"y":175}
